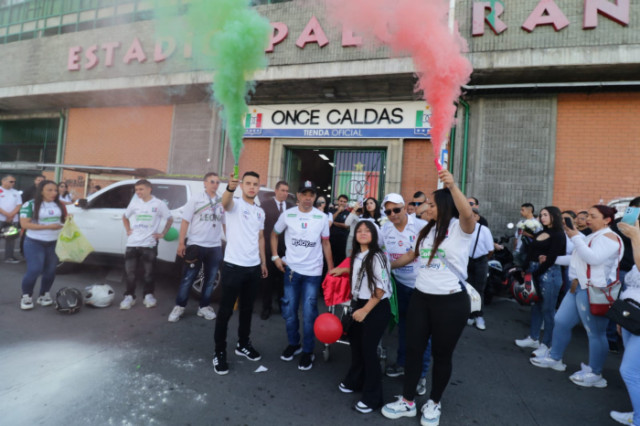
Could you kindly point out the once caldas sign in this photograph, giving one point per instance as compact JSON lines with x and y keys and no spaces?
{"x":364,"y":120}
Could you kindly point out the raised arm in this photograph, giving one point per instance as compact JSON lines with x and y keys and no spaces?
{"x":227,"y":197}
{"x":467,"y":222}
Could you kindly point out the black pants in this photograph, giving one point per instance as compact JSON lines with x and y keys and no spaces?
{"x":364,"y":373}
{"x":477,"y":271}
{"x":237,"y":282}
{"x":272,"y":286}
{"x":441,"y":318}
{"x":146,"y":256}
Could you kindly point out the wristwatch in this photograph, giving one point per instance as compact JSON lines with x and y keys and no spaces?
{"x":274,"y":258}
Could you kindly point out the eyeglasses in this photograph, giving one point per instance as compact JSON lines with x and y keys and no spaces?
{"x":416,"y":203}
{"x":471,"y":203}
{"x":214,"y":181}
{"x":394,"y":210}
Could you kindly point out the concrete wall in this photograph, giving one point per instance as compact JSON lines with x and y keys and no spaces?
{"x":511,"y":155}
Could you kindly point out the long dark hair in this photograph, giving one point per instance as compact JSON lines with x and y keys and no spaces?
{"x":374,"y":251}
{"x":38,"y":200}
{"x":66,"y":191}
{"x":446,"y":211}
{"x":376,"y":213}
{"x":556,"y":219}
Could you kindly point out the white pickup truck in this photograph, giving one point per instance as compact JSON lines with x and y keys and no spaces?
{"x":99,"y":216}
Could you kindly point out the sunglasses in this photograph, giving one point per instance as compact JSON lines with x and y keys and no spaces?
{"x":471,"y":203}
{"x":214,"y":181}
{"x":416,"y":203}
{"x":395,"y":210}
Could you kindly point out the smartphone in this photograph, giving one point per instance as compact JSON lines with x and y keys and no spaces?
{"x":568,"y":222}
{"x":631,"y":215}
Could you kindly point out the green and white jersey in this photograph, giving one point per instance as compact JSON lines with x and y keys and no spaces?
{"x":145,"y":219}
{"x":303,"y":239}
{"x":49,"y":213}
{"x":205,"y":216}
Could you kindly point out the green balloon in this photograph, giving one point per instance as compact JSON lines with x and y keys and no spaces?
{"x":171,"y":235}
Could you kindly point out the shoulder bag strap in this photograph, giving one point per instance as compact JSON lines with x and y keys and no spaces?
{"x":477,"y":238}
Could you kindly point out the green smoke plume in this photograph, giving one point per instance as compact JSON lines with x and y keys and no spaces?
{"x":230,"y":37}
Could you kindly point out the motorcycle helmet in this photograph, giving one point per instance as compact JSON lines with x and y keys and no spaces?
{"x":68,"y":300}
{"x":99,"y":295}
{"x":495,"y":265}
{"x":525,"y":293}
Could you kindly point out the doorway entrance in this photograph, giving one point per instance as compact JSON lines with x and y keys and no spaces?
{"x":357,"y":173}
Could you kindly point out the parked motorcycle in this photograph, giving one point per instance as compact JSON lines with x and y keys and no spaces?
{"x":502,"y":270}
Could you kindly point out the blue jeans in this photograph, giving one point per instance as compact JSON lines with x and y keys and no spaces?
{"x":549,"y":284}
{"x":209,"y":259}
{"x":41,"y":260}
{"x":403,"y":294}
{"x":296,"y":285}
{"x":573,"y":309}
{"x":630,"y":371}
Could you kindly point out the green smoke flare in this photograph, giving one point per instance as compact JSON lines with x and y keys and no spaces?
{"x":230,"y":37}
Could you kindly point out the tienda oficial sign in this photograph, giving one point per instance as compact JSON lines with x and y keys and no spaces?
{"x":361,"y":120}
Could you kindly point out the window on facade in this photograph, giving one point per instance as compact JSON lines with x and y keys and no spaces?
{"x":29,"y":140}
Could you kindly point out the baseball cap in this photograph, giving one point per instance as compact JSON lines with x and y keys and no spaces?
{"x":307,"y":185}
{"x":392,"y":197}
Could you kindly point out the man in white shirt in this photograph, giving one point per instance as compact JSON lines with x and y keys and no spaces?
{"x":399,"y":235}
{"x":142,"y":220}
{"x":306,"y":240}
{"x":480,"y":251}
{"x":202,"y":220}
{"x":10,"y":202}
{"x":525,"y":229}
{"x":244,"y":264}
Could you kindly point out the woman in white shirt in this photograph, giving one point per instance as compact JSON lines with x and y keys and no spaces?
{"x":371,"y":289}
{"x":630,"y":366}
{"x":594,"y":260}
{"x":439,"y":305}
{"x":42,"y":218}
{"x":64,"y":194}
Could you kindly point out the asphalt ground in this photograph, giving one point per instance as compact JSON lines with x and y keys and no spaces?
{"x":112,"y":367}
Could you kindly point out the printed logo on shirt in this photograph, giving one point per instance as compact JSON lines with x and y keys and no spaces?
{"x":154,"y":210}
{"x":291,"y":215}
{"x":437,"y":262}
{"x":318,"y":216}
{"x":412,"y":238}
{"x":144,"y":217}
{"x":400,"y":243}
{"x":299,"y":242}
{"x":304,"y":225}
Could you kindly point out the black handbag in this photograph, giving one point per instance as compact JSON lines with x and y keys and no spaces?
{"x":626,"y":313}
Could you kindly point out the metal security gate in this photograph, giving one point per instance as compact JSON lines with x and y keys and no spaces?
{"x":359,"y":174}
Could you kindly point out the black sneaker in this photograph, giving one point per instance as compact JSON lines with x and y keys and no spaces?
{"x":306,"y":361}
{"x":220,"y":365}
{"x":248,"y":351}
{"x":290,"y":352}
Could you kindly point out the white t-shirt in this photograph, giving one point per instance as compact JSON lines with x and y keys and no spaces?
{"x":485,"y":242}
{"x":67,"y":198}
{"x":49,"y":213}
{"x":397,"y":243}
{"x":9,"y":199}
{"x":244,"y":223}
{"x":438,"y":278}
{"x":303,"y":234}
{"x":380,"y":272}
{"x":144,"y":219}
{"x":205,"y":216}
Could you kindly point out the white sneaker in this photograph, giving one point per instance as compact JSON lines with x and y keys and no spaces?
{"x":548,"y":362}
{"x":207,"y":313}
{"x":622,"y":418}
{"x":480,"y":325}
{"x":471,"y":321}
{"x":541,"y":352}
{"x":585,"y":377}
{"x":26,"y":302}
{"x":176,"y":313}
{"x":399,"y":408}
{"x":149,"y":301}
{"x":528,"y":342}
{"x":127,"y":302}
{"x":430,"y":414}
{"x":45,"y":300}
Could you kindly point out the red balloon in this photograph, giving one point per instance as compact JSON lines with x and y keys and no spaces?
{"x":328,"y":328}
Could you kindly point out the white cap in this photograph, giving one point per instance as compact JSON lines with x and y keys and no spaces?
{"x":393,"y":198}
